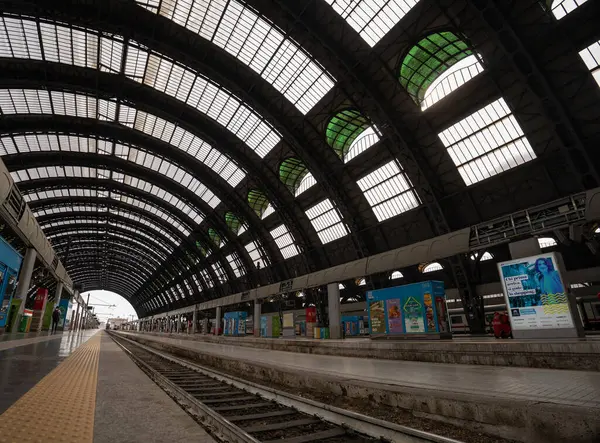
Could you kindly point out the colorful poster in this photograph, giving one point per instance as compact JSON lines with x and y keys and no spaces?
{"x":40,"y":299}
{"x":535,"y":294}
{"x":276,"y":326}
{"x":288,"y":320}
{"x":413,"y":316}
{"x":311,"y":315}
{"x":394,"y":316}
{"x":64,"y":307}
{"x":429,"y":315}
{"x":377,"y":317}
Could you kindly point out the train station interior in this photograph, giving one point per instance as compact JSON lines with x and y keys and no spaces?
{"x":336,"y":221}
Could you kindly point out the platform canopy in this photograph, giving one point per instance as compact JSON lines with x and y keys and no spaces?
{"x":176,"y":151}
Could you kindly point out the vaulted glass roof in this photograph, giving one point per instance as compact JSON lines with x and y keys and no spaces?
{"x":254,"y":41}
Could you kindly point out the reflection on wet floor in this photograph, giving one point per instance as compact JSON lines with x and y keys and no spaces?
{"x":21,"y":367}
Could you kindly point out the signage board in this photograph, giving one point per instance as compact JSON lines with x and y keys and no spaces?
{"x":245,"y":296}
{"x":286,"y":286}
{"x":535,"y":295}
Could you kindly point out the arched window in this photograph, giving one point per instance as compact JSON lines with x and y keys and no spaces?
{"x":361,"y":282}
{"x":486,"y":256}
{"x":234,"y":223}
{"x":259,"y":203}
{"x":293,"y":174}
{"x":341,"y":286}
{"x":546,"y":242}
{"x":431,"y":267}
{"x":395,"y":275}
{"x":349,"y":133}
{"x":437,"y":65}
{"x":560,"y":8}
{"x":215,"y":237}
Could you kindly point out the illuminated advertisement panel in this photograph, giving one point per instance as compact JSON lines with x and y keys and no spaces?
{"x":535,"y":294}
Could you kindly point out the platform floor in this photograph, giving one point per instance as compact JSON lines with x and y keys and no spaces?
{"x":85,"y":389}
{"x":562,"y":387}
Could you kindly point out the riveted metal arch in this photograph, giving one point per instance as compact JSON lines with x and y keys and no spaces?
{"x":173,"y":40}
{"x":31,"y":74}
{"x":87,"y":127}
{"x":15,"y":162}
{"x":91,"y":127}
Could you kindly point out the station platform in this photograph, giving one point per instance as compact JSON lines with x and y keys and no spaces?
{"x":81,"y":387}
{"x":576,"y":354}
{"x":524,"y":404}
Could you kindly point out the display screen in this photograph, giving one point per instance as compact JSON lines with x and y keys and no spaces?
{"x":535,"y":294}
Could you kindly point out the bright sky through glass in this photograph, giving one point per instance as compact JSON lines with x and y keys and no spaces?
{"x":118,"y":306}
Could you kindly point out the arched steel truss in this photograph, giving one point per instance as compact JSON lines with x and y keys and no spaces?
{"x":366,"y":80}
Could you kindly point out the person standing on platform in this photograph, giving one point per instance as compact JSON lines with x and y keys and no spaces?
{"x":55,"y":319}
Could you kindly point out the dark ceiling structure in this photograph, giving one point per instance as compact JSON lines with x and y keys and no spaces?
{"x":176,"y":151}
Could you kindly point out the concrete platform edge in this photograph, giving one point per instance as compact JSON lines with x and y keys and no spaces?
{"x":551,"y":355}
{"x":526,"y":421}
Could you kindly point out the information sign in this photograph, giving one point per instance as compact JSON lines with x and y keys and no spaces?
{"x":286,"y":286}
{"x":535,"y":294}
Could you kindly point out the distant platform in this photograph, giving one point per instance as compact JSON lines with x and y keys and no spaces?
{"x":82,"y":388}
{"x":524,"y":404}
{"x":577,"y":354}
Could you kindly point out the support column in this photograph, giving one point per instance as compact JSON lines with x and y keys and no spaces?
{"x":23,"y":285}
{"x":218,"y":321}
{"x":256,"y":318}
{"x":195,"y":321}
{"x":58,"y":294}
{"x":333,"y":303}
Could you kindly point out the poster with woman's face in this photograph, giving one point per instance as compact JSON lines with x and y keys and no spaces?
{"x":535,"y":293}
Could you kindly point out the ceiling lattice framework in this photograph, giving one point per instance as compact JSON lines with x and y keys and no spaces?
{"x":209,"y":149}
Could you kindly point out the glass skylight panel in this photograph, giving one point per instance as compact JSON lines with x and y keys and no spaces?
{"x":486,"y":143}
{"x":256,"y":255}
{"x":53,"y":42}
{"x":284,"y":241}
{"x":591,"y":58}
{"x":174,"y":172}
{"x":547,"y":242}
{"x":560,"y":8}
{"x":184,"y":140}
{"x":451,"y":79}
{"x":270,"y":210}
{"x":372,"y":19}
{"x":326,"y":221}
{"x":207,"y":278}
{"x":395,"y":275}
{"x":233,"y":262}
{"x":307,"y":182}
{"x":255,"y":42}
{"x":78,"y":171}
{"x":38,"y":101}
{"x":209,"y":98}
{"x":364,"y":141}
{"x":388,"y":191}
{"x":432,"y":267}
{"x":219,"y":272}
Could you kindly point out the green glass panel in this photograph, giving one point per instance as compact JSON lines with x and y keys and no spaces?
{"x":214,"y":236}
{"x":428,"y":59}
{"x":291,"y":173}
{"x":203,"y":250}
{"x":258,"y":202}
{"x":233,"y":222}
{"x":343,"y":129}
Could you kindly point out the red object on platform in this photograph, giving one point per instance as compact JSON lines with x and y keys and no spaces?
{"x":501,"y":325}
{"x":311,"y":315}
{"x":40,"y":298}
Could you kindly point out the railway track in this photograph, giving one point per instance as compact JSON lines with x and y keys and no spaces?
{"x":235,"y":410}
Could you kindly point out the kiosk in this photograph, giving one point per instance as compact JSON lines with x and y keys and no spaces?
{"x":235,"y":323}
{"x":413,"y":310}
{"x":10,"y":263}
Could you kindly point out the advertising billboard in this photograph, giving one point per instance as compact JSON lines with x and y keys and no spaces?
{"x":536,"y":297}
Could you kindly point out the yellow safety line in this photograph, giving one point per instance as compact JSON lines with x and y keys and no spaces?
{"x":60,"y":408}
